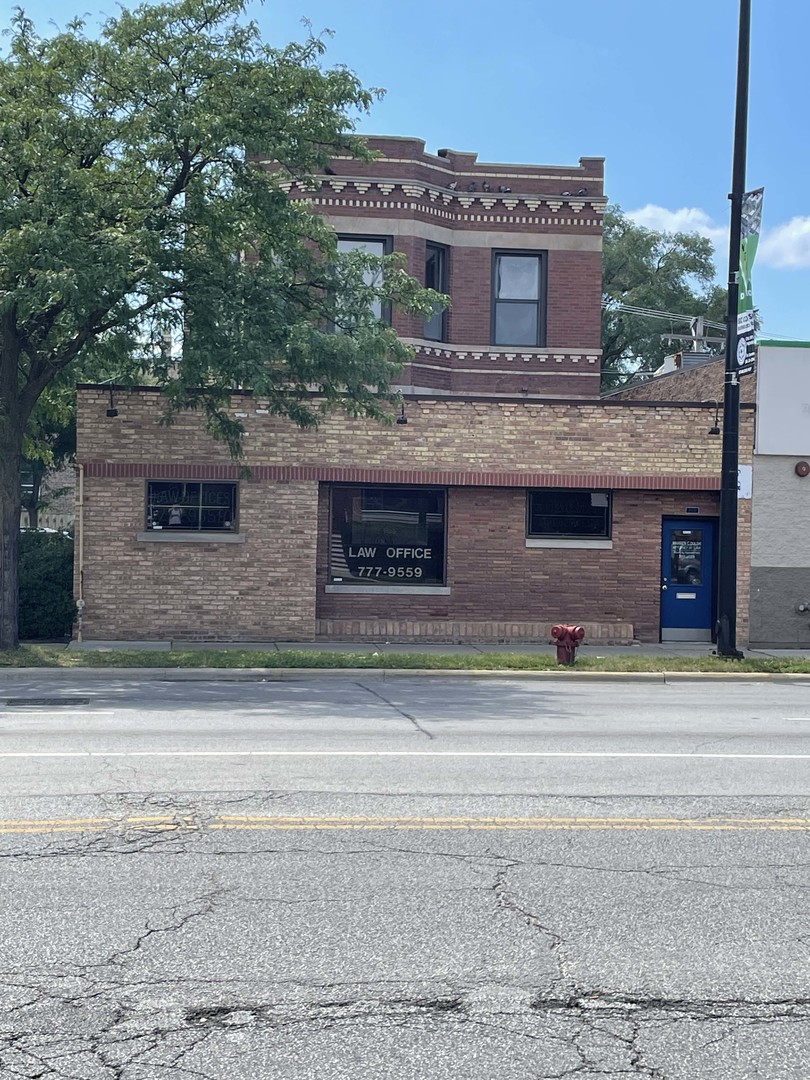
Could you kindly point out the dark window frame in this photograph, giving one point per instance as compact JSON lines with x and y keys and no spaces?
{"x":386,"y":311}
{"x":381,"y":582}
{"x":541,"y":303}
{"x":444,"y":287}
{"x":606,"y":535}
{"x":235,"y":501}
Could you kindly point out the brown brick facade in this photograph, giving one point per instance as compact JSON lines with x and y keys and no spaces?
{"x":495,"y":577}
{"x":473,"y":209}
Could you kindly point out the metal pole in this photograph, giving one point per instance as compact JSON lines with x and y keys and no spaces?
{"x":727,"y":569}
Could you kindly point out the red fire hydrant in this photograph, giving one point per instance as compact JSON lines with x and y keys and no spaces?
{"x":568,"y":640}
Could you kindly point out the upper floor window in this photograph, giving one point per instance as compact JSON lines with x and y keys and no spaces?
{"x":436,"y":278}
{"x":518,"y":294}
{"x":374,"y":245}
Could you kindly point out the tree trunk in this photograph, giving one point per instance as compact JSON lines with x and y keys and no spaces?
{"x":10,"y":458}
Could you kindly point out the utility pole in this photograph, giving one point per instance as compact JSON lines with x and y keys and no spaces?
{"x":727,"y":569}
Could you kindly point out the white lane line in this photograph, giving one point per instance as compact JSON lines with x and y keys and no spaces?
{"x":393,"y":754}
{"x":28,"y":713}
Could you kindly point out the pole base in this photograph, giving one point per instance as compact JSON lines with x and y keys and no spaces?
{"x":726,"y":640}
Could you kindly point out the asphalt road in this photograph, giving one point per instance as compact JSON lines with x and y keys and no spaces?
{"x":413,"y":878}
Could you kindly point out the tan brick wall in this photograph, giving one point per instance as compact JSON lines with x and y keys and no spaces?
{"x":702,"y":384}
{"x":483,"y":450}
{"x":261,"y":589}
{"x":452,"y":434}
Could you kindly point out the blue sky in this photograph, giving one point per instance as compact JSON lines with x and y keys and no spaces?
{"x":646,"y":84}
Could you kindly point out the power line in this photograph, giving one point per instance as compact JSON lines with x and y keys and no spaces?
{"x":652,"y":313}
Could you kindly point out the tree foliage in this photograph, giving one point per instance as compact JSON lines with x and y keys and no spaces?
{"x":672,"y":272}
{"x":138,"y":232}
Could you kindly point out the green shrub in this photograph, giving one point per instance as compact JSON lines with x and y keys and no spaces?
{"x":47,"y":608}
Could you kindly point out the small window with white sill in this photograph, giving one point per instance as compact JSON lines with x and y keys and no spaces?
{"x":559,"y":514}
{"x":191,"y":506}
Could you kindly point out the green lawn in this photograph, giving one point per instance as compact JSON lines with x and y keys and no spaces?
{"x":58,"y":656}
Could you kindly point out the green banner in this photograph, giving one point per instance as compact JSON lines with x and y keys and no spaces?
{"x":749,"y":241}
{"x":751,"y":224}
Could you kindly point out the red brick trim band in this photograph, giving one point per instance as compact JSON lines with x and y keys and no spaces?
{"x":342,"y":474}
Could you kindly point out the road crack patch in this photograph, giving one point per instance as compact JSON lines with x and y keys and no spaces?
{"x":411,"y":719}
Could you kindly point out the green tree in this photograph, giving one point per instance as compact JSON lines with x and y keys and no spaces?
{"x":139,"y":233}
{"x":662,"y":271}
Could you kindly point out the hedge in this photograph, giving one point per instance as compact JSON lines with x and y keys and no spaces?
{"x":47,"y":608}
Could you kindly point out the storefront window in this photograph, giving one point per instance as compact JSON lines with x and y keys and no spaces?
{"x":387,"y":536}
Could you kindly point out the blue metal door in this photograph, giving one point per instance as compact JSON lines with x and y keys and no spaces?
{"x":687,"y":580}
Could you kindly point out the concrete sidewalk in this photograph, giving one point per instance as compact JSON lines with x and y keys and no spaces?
{"x":664,"y":649}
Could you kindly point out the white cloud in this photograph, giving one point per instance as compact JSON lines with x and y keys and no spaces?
{"x":787,"y":247}
{"x":784,"y":247}
{"x":689,"y":219}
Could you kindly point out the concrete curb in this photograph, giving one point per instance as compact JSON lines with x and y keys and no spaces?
{"x":157,"y":674}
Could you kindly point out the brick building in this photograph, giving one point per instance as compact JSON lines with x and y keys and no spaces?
{"x":512,"y":497}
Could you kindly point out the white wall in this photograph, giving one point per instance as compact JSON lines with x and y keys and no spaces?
{"x":783,"y":401}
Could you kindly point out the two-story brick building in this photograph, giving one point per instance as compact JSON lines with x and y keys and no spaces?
{"x":510,"y":497}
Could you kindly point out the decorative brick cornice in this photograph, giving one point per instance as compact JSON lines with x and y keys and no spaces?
{"x":449,"y":204}
{"x":552,"y":357}
{"x":444,"y":478}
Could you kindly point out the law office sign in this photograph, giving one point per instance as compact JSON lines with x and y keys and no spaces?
{"x":749,"y":241}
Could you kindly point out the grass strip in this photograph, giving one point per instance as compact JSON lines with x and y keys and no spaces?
{"x":57,"y":656}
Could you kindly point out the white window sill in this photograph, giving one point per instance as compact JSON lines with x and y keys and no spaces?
{"x":391,"y":590}
{"x":569,"y":542}
{"x":165,"y":536}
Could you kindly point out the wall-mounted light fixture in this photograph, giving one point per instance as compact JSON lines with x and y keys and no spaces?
{"x":402,"y":418}
{"x":715,"y":428}
{"x":112,"y":411}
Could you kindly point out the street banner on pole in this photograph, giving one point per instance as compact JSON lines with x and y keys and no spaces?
{"x":749,"y":240}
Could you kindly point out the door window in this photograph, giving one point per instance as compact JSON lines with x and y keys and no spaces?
{"x":686,"y":556}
